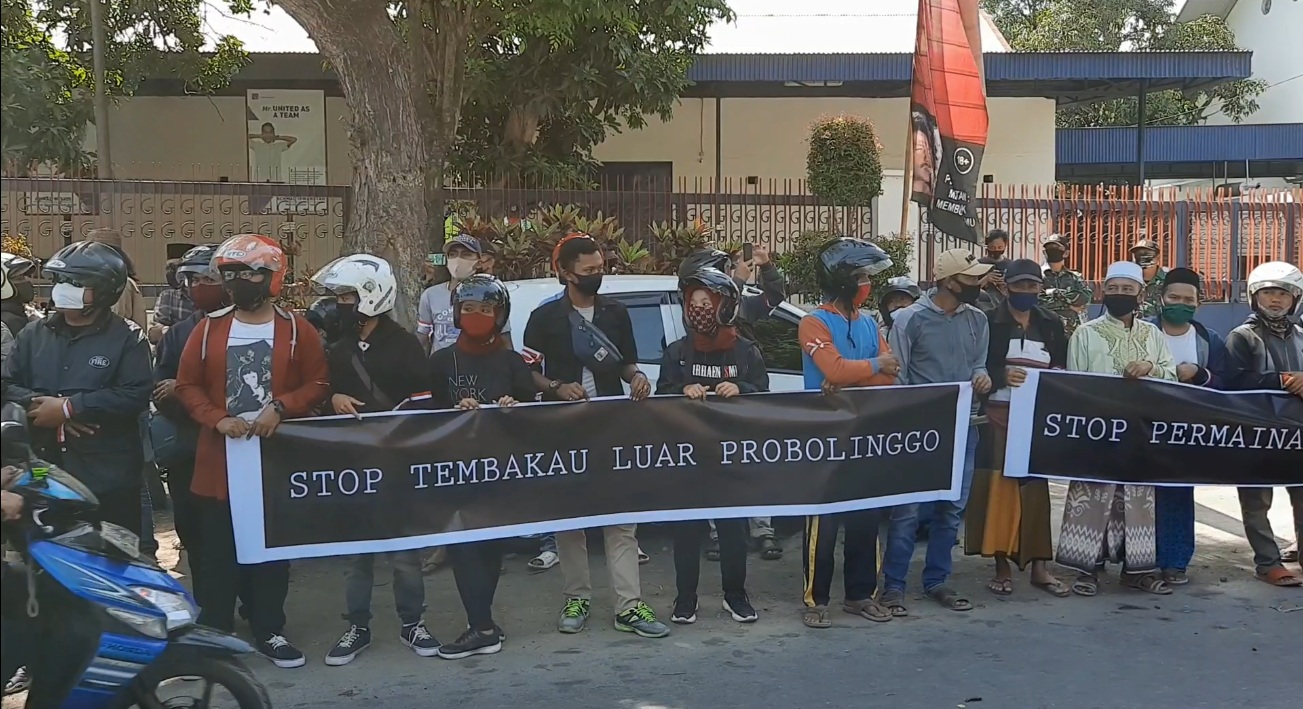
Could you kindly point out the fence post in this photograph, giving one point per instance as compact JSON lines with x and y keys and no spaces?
{"x":1291,"y":233}
{"x":1237,"y":271}
{"x":1182,"y":236}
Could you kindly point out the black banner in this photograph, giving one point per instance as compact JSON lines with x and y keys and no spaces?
{"x":408,"y":480}
{"x":1152,"y":432}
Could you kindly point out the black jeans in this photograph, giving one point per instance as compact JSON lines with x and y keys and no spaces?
{"x":262,"y":587}
{"x":121,"y":506}
{"x":859,"y":555}
{"x":476,"y":567}
{"x":734,"y":536}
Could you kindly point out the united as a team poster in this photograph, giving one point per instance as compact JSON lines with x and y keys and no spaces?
{"x":287,"y":145}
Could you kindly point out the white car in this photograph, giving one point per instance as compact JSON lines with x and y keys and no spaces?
{"x":656,"y":309}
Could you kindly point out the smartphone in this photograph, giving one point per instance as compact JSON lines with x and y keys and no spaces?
{"x":747,"y":250}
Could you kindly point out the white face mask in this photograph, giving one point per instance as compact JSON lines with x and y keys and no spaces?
{"x":462,"y":268}
{"x":68,"y":297}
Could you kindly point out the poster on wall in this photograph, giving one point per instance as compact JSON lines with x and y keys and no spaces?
{"x":287,"y":146}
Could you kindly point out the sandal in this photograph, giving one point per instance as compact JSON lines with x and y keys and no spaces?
{"x":643,"y":557}
{"x":1290,"y":555}
{"x":867,"y":609}
{"x":949,"y":598}
{"x":1279,"y":576}
{"x":1054,"y":587}
{"x":1150,"y":583}
{"x":894,"y":601}
{"x":543,"y":562}
{"x":1000,"y":587}
{"x":712,"y":550}
{"x":435,"y":560}
{"x":1175,"y":577}
{"x":1086,"y":585}
{"x":816,"y":617}
{"x":769,"y":549}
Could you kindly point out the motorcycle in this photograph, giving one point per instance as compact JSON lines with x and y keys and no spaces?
{"x":111,"y":629}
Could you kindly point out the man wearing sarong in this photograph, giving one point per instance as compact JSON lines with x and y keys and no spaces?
{"x":1105,"y":522}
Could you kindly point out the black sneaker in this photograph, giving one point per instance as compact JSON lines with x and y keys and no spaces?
{"x":349,"y":646}
{"x":739,"y":606}
{"x":502,"y":634}
{"x":472,"y":642}
{"x":685,"y":610}
{"x":276,"y":648}
{"x":419,"y":639}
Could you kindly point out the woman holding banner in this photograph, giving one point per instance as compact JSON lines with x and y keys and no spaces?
{"x":1105,"y":522}
{"x":1008,"y":518}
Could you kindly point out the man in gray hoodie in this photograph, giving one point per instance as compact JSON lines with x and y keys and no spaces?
{"x":942,"y":338}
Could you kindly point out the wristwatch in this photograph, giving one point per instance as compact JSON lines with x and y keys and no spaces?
{"x":554,"y":384}
{"x":278,"y":406}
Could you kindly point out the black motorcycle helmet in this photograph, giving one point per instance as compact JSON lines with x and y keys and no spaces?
{"x":719,"y":283}
{"x":840,"y":263}
{"x":196,"y":261}
{"x":705,"y":258}
{"x":93,"y":265}
{"x":482,"y":288}
{"x":901,"y":284}
{"x":324,"y":315}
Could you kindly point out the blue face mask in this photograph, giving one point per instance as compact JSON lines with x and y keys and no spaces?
{"x":1022,"y":302}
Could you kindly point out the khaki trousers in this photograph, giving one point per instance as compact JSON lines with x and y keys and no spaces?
{"x":621,"y":561}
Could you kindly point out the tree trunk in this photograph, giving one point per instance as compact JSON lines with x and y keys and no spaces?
{"x":388,"y":215}
{"x":103,"y":156}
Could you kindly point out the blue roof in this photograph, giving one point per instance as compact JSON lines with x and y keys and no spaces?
{"x":1174,"y":144}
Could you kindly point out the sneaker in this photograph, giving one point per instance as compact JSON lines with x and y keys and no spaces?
{"x":574,"y":616}
{"x":419,"y":639}
{"x":472,"y":642}
{"x":276,"y":648}
{"x":19,"y":682}
{"x":739,"y":606}
{"x":502,"y":634}
{"x":641,"y":620}
{"x":685,"y":610}
{"x":350,"y":644}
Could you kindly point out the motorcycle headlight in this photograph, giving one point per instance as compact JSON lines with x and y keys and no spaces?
{"x":149,"y":625}
{"x":179,"y":610}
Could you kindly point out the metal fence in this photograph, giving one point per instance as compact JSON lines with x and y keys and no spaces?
{"x":1222,"y":237}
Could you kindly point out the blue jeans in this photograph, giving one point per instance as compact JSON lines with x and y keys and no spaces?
{"x":941,"y":538}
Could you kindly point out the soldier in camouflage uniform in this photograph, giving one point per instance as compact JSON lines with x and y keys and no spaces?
{"x":1145,"y":253}
{"x":1065,"y":289}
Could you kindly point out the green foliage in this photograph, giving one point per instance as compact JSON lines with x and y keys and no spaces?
{"x":798,"y":261}
{"x":844,"y":163}
{"x":1134,"y":25}
{"x":47,"y":80}
{"x":546,"y":86}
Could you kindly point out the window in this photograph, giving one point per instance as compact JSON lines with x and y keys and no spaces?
{"x":648,"y":325}
{"x":776,"y":337}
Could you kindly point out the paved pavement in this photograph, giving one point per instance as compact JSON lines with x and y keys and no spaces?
{"x":1225,"y":640}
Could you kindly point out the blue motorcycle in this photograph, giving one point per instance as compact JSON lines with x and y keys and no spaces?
{"x":104,"y":627}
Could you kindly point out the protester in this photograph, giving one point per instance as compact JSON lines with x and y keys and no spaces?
{"x":1105,"y":522}
{"x":840,"y":347}
{"x":1066,"y":293}
{"x":1145,"y":252}
{"x":131,"y":304}
{"x":478,"y":370}
{"x":374,"y":365}
{"x":1009,"y":519}
{"x":997,"y":244}
{"x":84,"y":377}
{"x":772,"y":284}
{"x":584,"y":345}
{"x":992,"y":284}
{"x":942,"y":338}
{"x":6,"y":342}
{"x":901,"y":292}
{"x":1200,"y":357}
{"x":16,"y":292}
{"x":713,"y":358}
{"x":172,"y":305}
{"x":204,"y":289}
{"x":243,"y":370}
{"x":1266,"y":352}
{"x":434,"y":317}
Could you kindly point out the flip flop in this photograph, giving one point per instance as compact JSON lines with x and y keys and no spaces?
{"x":1087,"y":586}
{"x":894,"y":601}
{"x":1053,"y":587}
{"x":643,"y":557}
{"x":543,"y":562}
{"x":1290,"y":555}
{"x":1175,"y":577}
{"x":1150,"y":583}
{"x":769,"y":549}
{"x":1000,"y":587}
{"x":816,"y":617}
{"x":868,"y":610}
{"x":949,"y":598}
{"x":1279,"y":576}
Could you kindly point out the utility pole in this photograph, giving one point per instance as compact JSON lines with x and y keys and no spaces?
{"x":103,"y":158}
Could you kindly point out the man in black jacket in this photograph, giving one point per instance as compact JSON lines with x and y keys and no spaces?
{"x":773,"y":287}
{"x":84,"y":375}
{"x":374,"y":366}
{"x":583,"y":345}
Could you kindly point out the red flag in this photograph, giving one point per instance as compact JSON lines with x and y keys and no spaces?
{"x":948,"y":119}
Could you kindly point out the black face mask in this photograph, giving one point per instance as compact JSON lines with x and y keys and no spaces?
{"x":589,"y":284}
{"x":1119,"y":305}
{"x":887,"y":316}
{"x":24,"y":291}
{"x":247,"y":295}
{"x":349,"y":320}
{"x":1055,"y":256}
{"x":967,"y":294}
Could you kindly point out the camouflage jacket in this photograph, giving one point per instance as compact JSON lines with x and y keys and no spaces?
{"x":1152,"y":302}
{"x":1063,"y":290}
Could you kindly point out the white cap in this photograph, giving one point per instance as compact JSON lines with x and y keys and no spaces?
{"x":1129,"y":270}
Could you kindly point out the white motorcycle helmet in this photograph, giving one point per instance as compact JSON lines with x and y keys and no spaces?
{"x":371,"y":277}
{"x":12,"y":265}
{"x":1277,"y":274}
